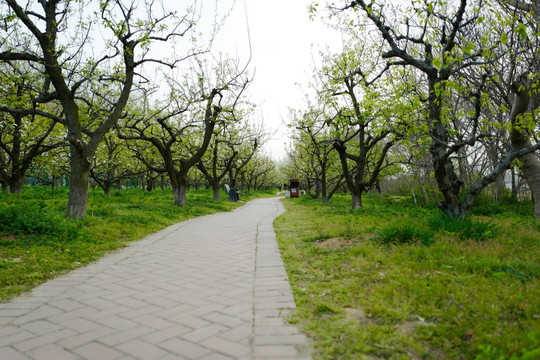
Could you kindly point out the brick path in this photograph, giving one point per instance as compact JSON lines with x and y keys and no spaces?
{"x":208,"y":288}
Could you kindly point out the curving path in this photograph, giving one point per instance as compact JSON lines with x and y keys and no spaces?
{"x":208,"y":288}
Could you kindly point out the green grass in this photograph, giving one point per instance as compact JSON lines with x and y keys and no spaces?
{"x":396,"y":281}
{"x":38,"y":243}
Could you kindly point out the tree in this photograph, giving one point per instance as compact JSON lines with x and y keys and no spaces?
{"x":52,"y":167}
{"x":363,"y":128}
{"x":437,"y":41}
{"x":43,"y":36}
{"x":23,"y":138}
{"x":197,"y":179}
{"x":258,"y":174}
{"x":227,"y":144}
{"x":522,"y":108}
{"x":525,"y":88}
{"x":515,"y":91}
{"x":181,"y":128}
{"x":314,"y":154}
{"x":146,"y":157}
{"x":247,"y":151}
{"x":113,"y":163}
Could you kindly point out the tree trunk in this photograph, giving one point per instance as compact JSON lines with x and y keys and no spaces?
{"x":180,"y":196}
{"x":500,"y":187}
{"x":317,"y":187}
{"x":107,"y":188}
{"x":414,"y":196}
{"x":149,"y":185}
{"x":379,"y":189}
{"x":215,"y":188}
{"x":143,"y":182}
{"x":356,"y":200}
{"x":53,"y":184}
{"x":324,"y":184}
{"x":514,"y":185}
{"x":531,"y":170}
{"x":448,"y":182}
{"x":232,"y":178}
{"x":78,"y":185}
{"x":424,"y":192}
{"x":16,"y":183}
{"x":325,"y":198}
{"x":180,"y":190}
{"x":521,"y":140}
{"x":78,"y":195}
{"x":463,"y":166}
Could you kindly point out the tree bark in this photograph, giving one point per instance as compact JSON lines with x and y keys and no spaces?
{"x":414,"y":196}
{"x":323,"y":183}
{"x":447,"y":180}
{"x":514,"y":194}
{"x":16,"y":182}
{"x":379,"y":190}
{"x":216,"y":192}
{"x":325,"y":199}
{"x":149,"y":184}
{"x":107,"y":189}
{"x":424,"y":192}
{"x":53,"y":183}
{"x":78,"y":186}
{"x":356,"y":200}
{"x":180,"y":190}
{"x":520,"y":140}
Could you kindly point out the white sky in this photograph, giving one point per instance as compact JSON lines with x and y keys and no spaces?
{"x":284,"y":43}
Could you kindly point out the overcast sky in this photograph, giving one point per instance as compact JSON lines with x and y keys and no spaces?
{"x":284,"y":41}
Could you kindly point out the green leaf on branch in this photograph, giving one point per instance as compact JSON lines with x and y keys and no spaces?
{"x":522,"y":32}
{"x":504,"y":38}
{"x":437,"y":63}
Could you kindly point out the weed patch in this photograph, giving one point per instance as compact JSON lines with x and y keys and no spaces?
{"x":404,"y":232}
{"x":465,"y":229}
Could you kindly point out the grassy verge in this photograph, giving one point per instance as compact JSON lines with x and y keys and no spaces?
{"x":396,"y":281}
{"x":38,"y":243}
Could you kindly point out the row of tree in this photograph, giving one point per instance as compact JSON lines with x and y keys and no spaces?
{"x":135,"y":88}
{"x":442,"y":89}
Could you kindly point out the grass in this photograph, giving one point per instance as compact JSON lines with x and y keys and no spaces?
{"x":38,"y":243}
{"x":396,"y":281}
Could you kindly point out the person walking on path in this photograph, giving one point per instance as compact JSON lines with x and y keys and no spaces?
{"x":213,"y":287}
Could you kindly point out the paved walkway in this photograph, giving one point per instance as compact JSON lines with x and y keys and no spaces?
{"x":208,"y":288}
